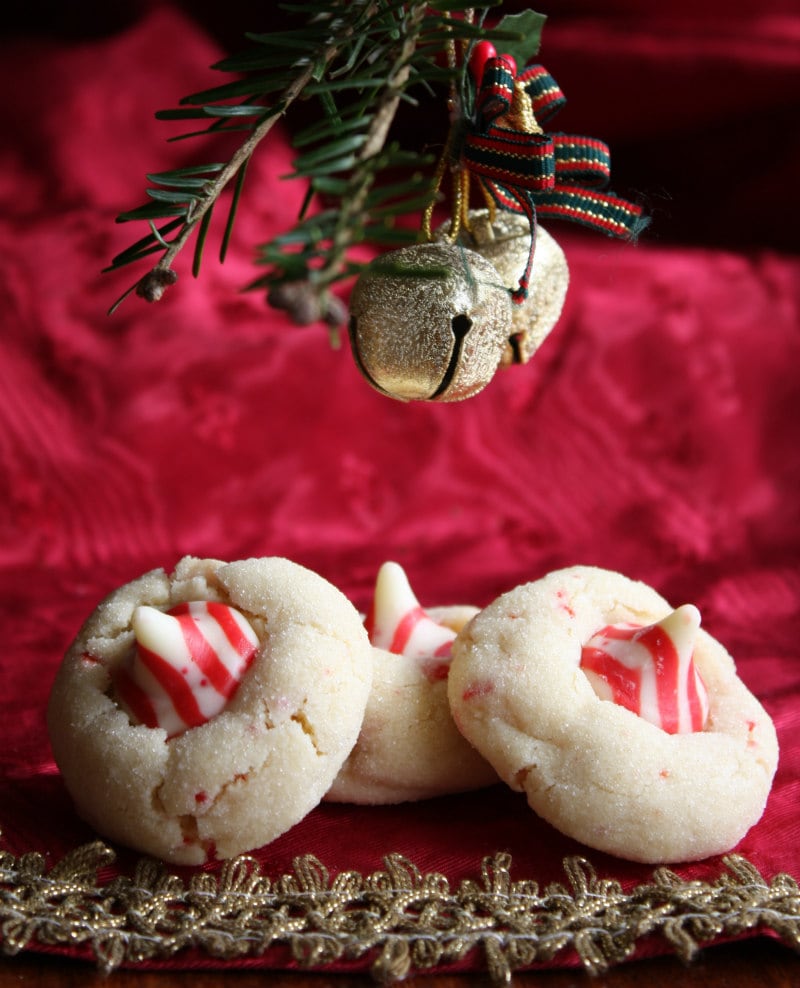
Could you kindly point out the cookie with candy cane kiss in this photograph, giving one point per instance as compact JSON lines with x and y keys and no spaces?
{"x":623,"y":721}
{"x":409,"y":747}
{"x":199,"y":715}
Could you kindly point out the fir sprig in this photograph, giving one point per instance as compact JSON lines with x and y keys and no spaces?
{"x":359,"y":60}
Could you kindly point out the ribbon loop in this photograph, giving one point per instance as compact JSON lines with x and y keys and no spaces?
{"x":582,"y":159}
{"x":509,"y":157}
{"x":544,"y":92}
{"x":495,"y":93}
{"x":523,"y":170}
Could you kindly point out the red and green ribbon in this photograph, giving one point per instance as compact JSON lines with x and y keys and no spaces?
{"x":560,"y":176}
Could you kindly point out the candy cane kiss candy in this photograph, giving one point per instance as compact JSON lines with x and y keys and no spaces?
{"x":186,"y":665}
{"x":651,"y":670}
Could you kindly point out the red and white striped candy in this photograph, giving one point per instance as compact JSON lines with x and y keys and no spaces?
{"x":396,"y":622}
{"x":186,"y":665}
{"x":651,"y":670}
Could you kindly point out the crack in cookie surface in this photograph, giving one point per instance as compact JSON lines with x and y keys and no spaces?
{"x":299,"y":717}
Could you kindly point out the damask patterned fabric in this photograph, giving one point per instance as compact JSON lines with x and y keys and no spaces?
{"x":655,"y":432}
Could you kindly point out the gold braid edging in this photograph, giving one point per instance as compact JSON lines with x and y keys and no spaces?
{"x":400,"y":920}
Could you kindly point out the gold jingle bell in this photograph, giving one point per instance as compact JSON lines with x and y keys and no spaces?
{"x":429,"y":322}
{"x":504,"y":241}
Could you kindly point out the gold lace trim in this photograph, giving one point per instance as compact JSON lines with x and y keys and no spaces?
{"x":399,"y":920}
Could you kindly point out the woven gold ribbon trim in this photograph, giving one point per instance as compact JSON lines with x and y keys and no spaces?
{"x":399,"y":920}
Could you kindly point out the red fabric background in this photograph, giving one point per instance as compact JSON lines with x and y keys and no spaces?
{"x":655,"y":432}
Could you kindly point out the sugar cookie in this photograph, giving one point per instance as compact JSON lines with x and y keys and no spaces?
{"x":262,"y":759}
{"x":595,"y":770}
{"x":409,"y":747}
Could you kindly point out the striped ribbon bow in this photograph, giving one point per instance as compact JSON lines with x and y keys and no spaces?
{"x":527,"y":171}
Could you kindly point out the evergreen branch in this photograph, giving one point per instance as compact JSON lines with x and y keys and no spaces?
{"x":351,"y":222}
{"x":148,"y":287}
{"x":154,"y":283}
{"x":359,"y":59}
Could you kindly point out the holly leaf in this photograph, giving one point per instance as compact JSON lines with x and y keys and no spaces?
{"x":527,"y":26}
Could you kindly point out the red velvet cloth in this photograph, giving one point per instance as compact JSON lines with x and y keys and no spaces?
{"x":654,"y":433}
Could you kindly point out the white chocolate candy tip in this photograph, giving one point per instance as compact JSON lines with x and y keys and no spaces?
{"x":682,"y":626}
{"x":392,"y":598}
{"x":154,"y":629}
{"x":690,"y":609}
{"x":393,"y":593}
{"x":398,"y":623}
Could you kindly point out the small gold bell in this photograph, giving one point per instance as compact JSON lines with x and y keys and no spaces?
{"x":429,"y":322}
{"x":505,"y":241}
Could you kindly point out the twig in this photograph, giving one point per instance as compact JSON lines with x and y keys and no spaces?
{"x":377,"y":134}
{"x":153,"y":285}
